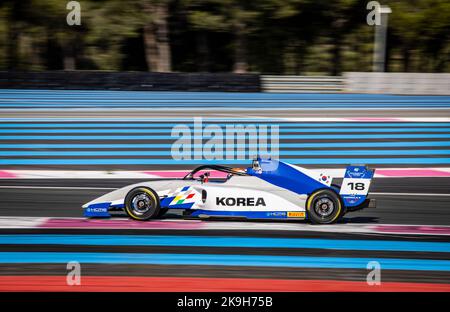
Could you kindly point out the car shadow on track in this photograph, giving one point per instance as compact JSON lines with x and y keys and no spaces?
{"x":360,"y":220}
{"x":177,"y":216}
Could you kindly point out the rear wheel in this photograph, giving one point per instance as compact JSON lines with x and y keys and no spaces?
{"x":324,"y":207}
{"x":141,"y":204}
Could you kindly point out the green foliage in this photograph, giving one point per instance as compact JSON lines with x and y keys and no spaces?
{"x":279,"y":36}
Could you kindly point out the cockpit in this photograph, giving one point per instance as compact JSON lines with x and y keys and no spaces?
{"x":215,"y":173}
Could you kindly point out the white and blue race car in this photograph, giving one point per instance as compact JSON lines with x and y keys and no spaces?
{"x":269,"y":189}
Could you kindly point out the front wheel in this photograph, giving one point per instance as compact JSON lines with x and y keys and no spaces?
{"x":141,"y":204}
{"x":324,"y":207}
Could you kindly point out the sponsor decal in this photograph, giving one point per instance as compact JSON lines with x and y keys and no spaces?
{"x":97,"y":210}
{"x":240,"y":201}
{"x":296,"y":214}
{"x":356,"y":172}
{"x":352,"y":199}
{"x":276,"y":214}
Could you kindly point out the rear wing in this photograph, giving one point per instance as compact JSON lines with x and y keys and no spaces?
{"x":356,"y":184}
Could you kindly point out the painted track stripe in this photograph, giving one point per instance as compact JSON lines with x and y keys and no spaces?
{"x":282,"y":145}
{"x":409,"y":194}
{"x":167,"y":161}
{"x":18,"y":222}
{"x":225,"y":260}
{"x":221,"y":241}
{"x":207,"y":100}
{"x":370,"y":120}
{"x":201,"y":284}
{"x":281,"y":136}
{"x":158,"y":124}
{"x":86,"y":100}
{"x":168,"y":130}
{"x":66,"y":103}
{"x":281,"y":153}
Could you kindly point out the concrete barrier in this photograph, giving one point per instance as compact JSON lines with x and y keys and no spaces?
{"x":397,"y":83}
{"x":351,"y":82}
{"x":302,"y":84}
{"x":145,"y":81}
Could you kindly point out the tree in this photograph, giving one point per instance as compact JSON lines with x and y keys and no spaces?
{"x":156,"y":35}
{"x":111,"y":22}
{"x":342,"y":17}
{"x":270,"y":36}
{"x":420,"y":34}
{"x":233,"y":16}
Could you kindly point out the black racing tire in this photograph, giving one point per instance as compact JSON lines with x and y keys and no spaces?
{"x":142,"y":203}
{"x":324,"y":207}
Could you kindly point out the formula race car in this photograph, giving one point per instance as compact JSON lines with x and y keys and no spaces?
{"x":269,"y":189}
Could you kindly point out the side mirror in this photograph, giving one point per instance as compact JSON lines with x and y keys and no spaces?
{"x":204,"y":177}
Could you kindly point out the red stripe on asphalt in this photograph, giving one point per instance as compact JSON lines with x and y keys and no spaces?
{"x":7,"y":175}
{"x":194,"y":284}
{"x":78,"y":223}
{"x":410,"y":172}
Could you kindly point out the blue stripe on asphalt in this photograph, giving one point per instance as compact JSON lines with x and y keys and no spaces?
{"x":201,"y":130}
{"x":208,"y":96}
{"x":223,"y":260}
{"x":53,"y":101}
{"x":240,"y":104}
{"x":226,"y":153}
{"x":205,"y":122}
{"x":56,"y":101}
{"x":86,"y":101}
{"x":282,"y":136}
{"x":215,"y":106}
{"x":281,"y":145}
{"x":24,"y":100}
{"x":188,"y":120}
{"x":140,"y":161}
{"x":128,"y":119}
{"x":171,"y":119}
{"x":61,"y":99}
{"x":221,"y":241}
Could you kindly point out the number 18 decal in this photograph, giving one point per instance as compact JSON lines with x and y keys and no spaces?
{"x":355,"y":186}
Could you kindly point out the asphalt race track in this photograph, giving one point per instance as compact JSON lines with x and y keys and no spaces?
{"x":50,"y":139}
{"x":408,"y":200}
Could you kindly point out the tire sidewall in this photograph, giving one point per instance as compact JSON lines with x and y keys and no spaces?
{"x":152,"y":213}
{"x":334,"y":216}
